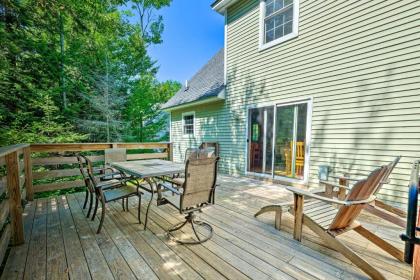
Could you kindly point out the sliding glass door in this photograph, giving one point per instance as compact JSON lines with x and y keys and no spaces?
{"x":277,"y":137}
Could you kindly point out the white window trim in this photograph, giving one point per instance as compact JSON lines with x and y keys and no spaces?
{"x":192,"y":113}
{"x":295,"y":33}
{"x":306,"y":169}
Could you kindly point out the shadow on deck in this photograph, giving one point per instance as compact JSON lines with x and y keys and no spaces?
{"x":61,"y":243}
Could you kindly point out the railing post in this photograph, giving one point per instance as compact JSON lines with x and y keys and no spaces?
{"x":28,"y":174}
{"x":170,"y":151}
{"x":15,"y":204}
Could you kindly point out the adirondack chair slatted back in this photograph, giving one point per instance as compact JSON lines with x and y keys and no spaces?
{"x":391,"y":167}
{"x":200,"y":179}
{"x":362,"y":190}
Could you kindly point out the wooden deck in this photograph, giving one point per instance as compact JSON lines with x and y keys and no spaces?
{"x":61,"y":243}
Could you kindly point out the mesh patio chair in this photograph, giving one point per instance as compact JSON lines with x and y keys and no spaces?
{"x":177,"y":182}
{"x":178,"y":179}
{"x":90,"y":190}
{"x":105,"y":193}
{"x":211,"y":146}
{"x":113,"y":155}
{"x":195,"y":193}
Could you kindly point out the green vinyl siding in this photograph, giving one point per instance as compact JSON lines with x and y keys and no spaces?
{"x":358,"y":60}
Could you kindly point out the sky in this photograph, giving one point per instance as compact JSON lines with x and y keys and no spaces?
{"x":193,"y":34}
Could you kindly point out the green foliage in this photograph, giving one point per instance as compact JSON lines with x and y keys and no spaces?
{"x":78,"y":70}
{"x":49,"y":128}
{"x":143,"y":112}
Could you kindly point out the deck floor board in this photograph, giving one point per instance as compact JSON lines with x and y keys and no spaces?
{"x":61,"y":243}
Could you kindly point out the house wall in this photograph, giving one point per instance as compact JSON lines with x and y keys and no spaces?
{"x":358,"y":60}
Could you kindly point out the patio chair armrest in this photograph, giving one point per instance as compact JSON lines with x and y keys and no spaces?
{"x":169,"y":188}
{"x":330,"y":200}
{"x":171,"y":180}
{"x":104,"y":185}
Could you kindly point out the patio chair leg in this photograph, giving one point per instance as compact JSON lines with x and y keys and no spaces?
{"x":126,"y":205}
{"x":277,"y":209}
{"x":195,"y":232}
{"x":123,"y":205}
{"x":343,"y":249}
{"x":298,"y":212}
{"x":96,"y":209}
{"x":139,"y":209}
{"x":86,"y":198}
{"x":387,"y":247}
{"x":190,"y":219}
{"x":102,"y":217}
{"x":90,"y":205}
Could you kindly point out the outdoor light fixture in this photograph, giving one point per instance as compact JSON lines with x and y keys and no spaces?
{"x":323,"y":172}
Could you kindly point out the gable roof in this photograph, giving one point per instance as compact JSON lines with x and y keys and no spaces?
{"x":207,"y":83}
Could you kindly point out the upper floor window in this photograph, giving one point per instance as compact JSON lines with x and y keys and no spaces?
{"x":279,"y":21}
{"x":188,"y":123}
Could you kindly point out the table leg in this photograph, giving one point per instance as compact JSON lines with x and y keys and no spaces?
{"x":151,"y":183}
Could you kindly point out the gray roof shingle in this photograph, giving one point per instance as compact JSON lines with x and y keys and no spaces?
{"x":206,"y":83}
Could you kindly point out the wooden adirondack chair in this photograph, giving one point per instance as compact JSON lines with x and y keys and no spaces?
{"x":378,"y":207}
{"x":328,"y":221}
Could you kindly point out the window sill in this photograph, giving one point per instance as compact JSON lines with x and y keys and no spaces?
{"x":278,"y":41}
{"x":188,"y":135}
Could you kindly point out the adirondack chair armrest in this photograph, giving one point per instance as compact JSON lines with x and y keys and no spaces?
{"x":329,"y":200}
{"x":334,"y":185}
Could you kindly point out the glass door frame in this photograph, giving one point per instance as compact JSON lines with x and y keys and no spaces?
{"x":309,"y":102}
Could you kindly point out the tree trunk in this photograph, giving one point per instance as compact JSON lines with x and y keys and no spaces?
{"x":108,"y":136}
{"x":62,"y":82}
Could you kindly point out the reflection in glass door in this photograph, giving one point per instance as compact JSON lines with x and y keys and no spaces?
{"x":284,"y":139}
{"x":290,"y":141}
{"x":260,"y":140}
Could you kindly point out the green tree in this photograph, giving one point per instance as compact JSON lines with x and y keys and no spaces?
{"x":146,"y":120}
{"x":85,"y":59}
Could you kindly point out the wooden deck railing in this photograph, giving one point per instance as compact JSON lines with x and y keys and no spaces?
{"x":27,"y":169}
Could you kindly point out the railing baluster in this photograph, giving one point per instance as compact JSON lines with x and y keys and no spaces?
{"x":28,"y":174}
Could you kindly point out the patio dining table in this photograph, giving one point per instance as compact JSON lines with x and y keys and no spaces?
{"x":149,"y":170}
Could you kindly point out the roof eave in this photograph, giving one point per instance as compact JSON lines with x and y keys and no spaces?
{"x":221,"y":5}
{"x":219,"y":97}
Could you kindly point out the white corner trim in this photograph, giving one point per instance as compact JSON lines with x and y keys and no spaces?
{"x":294,"y":34}
{"x":192,"y":113}
{"x":170,"y":127}
{"x":225,"y":50}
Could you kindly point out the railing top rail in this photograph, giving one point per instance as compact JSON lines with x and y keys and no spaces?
{"x":74,"y":147}
{"x":4,"y":151}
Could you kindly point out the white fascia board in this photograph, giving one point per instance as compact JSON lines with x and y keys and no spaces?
{"x":219,"y":97}
{"x":221,"y":6}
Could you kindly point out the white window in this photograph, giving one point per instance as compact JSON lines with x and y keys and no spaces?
{"x":188,"y":123}
{"x":279,"y":21}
